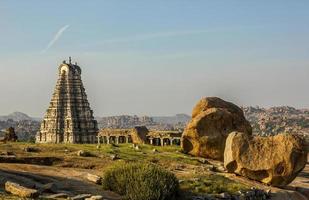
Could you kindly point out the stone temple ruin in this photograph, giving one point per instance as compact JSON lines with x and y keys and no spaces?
{"x":69,"y":118}
{"x":139,"y":135}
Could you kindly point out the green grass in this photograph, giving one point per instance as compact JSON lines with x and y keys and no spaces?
{"x":168,"y":157}
{"x":212,"y":184}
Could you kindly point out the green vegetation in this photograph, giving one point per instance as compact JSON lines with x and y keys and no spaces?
{"x":211,"y":184}
{"x":141,"y":181}
{"x":185,"y":167}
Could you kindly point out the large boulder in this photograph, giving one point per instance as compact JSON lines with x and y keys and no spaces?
{"x":139,"y":134}
{"x":274,"y":160}
{"x":212,"y":120}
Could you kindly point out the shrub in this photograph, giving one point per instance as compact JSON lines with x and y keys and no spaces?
{"x":141,"y":181}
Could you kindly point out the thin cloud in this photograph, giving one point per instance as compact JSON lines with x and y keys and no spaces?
{"x":55,"y":38}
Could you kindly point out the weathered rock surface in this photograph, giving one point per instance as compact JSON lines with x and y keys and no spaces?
{"x":83,"y":153}
{"x":212,"y":120}
{"x":274,"y":160}
{"x":81,"y":197}
{"x":139,"y":134}
{"x":94,"y":178}
{"x":56,"y":196}
{"x":20,"y":191}
{"x":97,"y":197}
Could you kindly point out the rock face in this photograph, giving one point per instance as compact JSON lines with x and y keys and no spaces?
{"x":212,"y":120}
{"x":69,"y":118}
{"x":274,"y":160}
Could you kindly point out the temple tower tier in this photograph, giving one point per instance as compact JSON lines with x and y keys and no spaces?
{"x":69,"y":118}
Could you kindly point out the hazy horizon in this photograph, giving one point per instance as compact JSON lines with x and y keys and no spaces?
{"x":155,"y":58}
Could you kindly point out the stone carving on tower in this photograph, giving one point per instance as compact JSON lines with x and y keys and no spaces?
{"x":69,"y":118}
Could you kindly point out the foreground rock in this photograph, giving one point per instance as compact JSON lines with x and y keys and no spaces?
{"x":20,"y":191}
{"x":212,"y":120}
{"x":272,"y":160}
{"x":94,"y":178}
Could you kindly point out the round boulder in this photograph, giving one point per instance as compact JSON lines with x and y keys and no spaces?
{"x":274,"y":160}
{"x":212,"y":120}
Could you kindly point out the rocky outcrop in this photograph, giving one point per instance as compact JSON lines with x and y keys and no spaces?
{"x":212,"y":120}
{"x":274,"y":160}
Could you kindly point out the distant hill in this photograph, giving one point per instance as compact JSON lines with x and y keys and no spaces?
{"x":179,"y":118}
{"x":17,"y":116}
{"x":274,"y":120}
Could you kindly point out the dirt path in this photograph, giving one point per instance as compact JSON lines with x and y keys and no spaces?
{"x":71,"y":181}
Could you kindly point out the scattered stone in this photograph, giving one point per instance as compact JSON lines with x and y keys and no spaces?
{"x":203,"y":161}
{"x":212,"y":120}
{"x":274,"y":160}
{"x":83,"y":153}
{"x":20,"y":191}
{"x":94,"y":178}
{"x":155,"y":151}
{"x":98,"y":146}
{"x":57,"y":196}
{"x":224,"y":195}
{"x":268,"y":191}
{"x":7,"y":153}
{"x":31,"y":149}
{"x":97,"y":197}
{"x":220,"y":169}
{"x":49,"y":188}
{"x":115,"y":157}
{"x":81,"y":197}
{"x":136,"y":148}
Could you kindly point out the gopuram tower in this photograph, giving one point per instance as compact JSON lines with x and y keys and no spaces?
{"x":69,"y":118}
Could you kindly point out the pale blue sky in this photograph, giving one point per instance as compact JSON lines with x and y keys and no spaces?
{"x":155,"y":57}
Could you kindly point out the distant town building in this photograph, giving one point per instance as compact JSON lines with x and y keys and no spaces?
{"x":69,"y":118}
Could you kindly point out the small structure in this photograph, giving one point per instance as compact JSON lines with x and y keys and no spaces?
{"x":8,"y":135}
{"x":139,"y":135}
{"x":164,"y":138}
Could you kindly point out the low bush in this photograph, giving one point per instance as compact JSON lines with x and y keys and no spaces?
{"x":141,"y":181}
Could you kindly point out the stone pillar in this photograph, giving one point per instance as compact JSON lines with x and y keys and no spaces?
{"x":162,"y":141}
{"x":127,"y":139}
{"x":171,"y":141}
{"x":116,"y":139}
{"x":107,"y":140}
{"x":151,"y":141}
{"x":99,"y":138}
